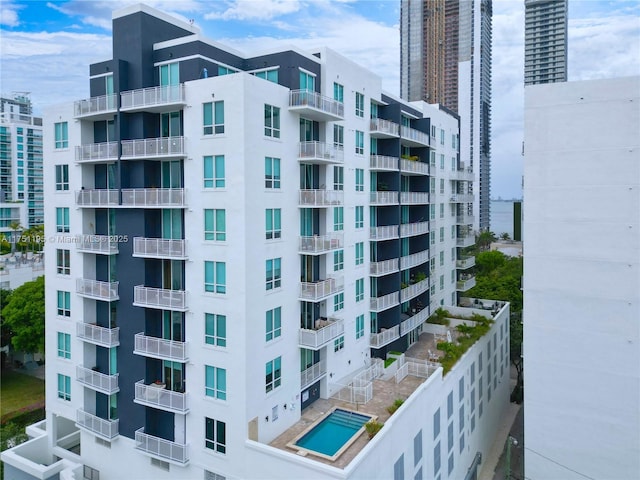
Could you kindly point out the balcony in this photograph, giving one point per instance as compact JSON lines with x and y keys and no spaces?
{"x":160,"y":298}
{"x":153,"y":197}
{"x":157,"y":396}
{"x":314,"y":106}
{"x":383,"y":198}
{"x":101,"y":382}
{"x":97,"y":198}
{"x":413,"y":167}
{"x":107,"y":429}
{"x":384,"y":267}
{"x":312,"y":374}
{"x":160,"y":348}
{"x":319,"y":244}
{"x":381,"y":128}
{"x":465,"y":283}
{"x":465,"y":262}
{"x":382,"y":162}
{"x":96,"y":108}
{"x":385,"y":337}
{"x":386,"y":232}
{"x":413,"y":137}
{"x":325,"y":331}
{"x":461,"y":198}
{"x":97,"y":290}
{"x":166,"y":98}
{"x":413,"y":229}
{"x":465,"y":219}
{"x":414,"y":321}
{"x":320,"y":152}
{"x":105,"y":337}
{"x":378,"y":304}
{"x":98,"y":244}
{"x":410,"y":261}
{"x":97,"y":152}
{"x":164,"y":147}
{"x":463,"y":174}
{"x":317,"y":291}
{"x":414,"y":198}
{"x":465,"y":241}
{"x":162,"y":449}
{"x":414,"y":290}
{"x":320,"y":198}
{"x":159,"y":248}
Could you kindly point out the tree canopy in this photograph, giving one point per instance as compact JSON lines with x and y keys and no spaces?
{"x":23,"y":316}
{"x":498,"y":277}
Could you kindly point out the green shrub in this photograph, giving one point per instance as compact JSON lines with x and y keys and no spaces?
{"x":439,"y":317}
{"x":470,"y":334}
{"x":389,"y":361}
{"x":373,"y":427}
{"x":396,"y":405}
{"x":395,"y":353}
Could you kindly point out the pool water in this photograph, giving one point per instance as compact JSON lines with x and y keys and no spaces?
{"x":333,"y":432}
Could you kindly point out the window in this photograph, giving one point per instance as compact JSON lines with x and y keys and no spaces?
{"x":359,"y":289}
{"x":436,"y":424}
{"x":62,"y":135}
{"x":338,"y":302}
{"x":359,"y":217}
{"x":461,"y":389}
{"x":442,"y":185}
{"x":215,"y":277}
{"x":442,"y":210}
{"x":398,"y":468}
{"x":64,"y":345}
{"x":338,"y":343}
{"x":215,"y":382}
{"x":338,"y":219}
{"x":461,"y":418}
{"x":271,"y":121}
{"x":338,"y":178}
{"x":338,"y":136}
{"x":64,"y":387}
{"x":215,"y":435}
{"x":417,"y":448}
{"x":441,"y":161}
{"x":359,"y":180}
{"x":450,"y":405}
{"x":441,"y":259}
{"x":62,"y":177}
{"x":213,"y":118}
{"x":271,"y":75}
{"x":450,"y":464}
{"x":374,"y":110}
{"x":272,"y":223}
{"x":359,"y":142}
{"x":63,"y":260}
{"x":225,"y":70}
{"x":213,"y":171}
{"x":64,"y":303}
{"x":436,"y":459}
{"x":271,"y":172}
{"x":461,"y":443}
{"x":62,"y":220}
{"x":441,"y":282}
{"x":441,"y":136}
{"x":359,"y":104}
{"x":338,"y":92}
{"x":215,"y":330}
{"x":442,"y":234}
{"x":359,"y":253}
{"x":307,"y":82}
{"x":338,"y":260}
{"x":215,"y":225}
{"x":273,"y":323}
{"x":273,"y":374}
{"x":359,"y":326}
{"x":274,"y":273}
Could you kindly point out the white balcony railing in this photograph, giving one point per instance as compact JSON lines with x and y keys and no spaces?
{"x":97,"y":198}
{"x":320,"y":243}
{"x":321,"y":289}
{"x":107,"y":384}
{"x":159,"y":248}
{"x":378,"y":304}
{"x":102,"y":427}
{"x":412,"y":322}
{"x":461,"y":198}
{"x":414,"y":290}
{"x":385,"y":337}
{"x":412,"y":166}
{"x":414,"y":197}
{"x":314,"y":101}
{"x":159,"y":298}
{"x":415,"y":136}
{"x":106,"y":291}
{"x":382,"y":127}
{"x":105,"y":337}
{"x":465,"y":262}
{"x":95,"y":105}
{"x":383,"y":198}
{"x":321,"y":198}
{"x":153,"y":147}
{"x":413,"y":260}
{"x":383,"y":267}
{"x":312,"y":374}
{"x":102,"y":244}
{"x":97,"y":152}
{"x":160,"y":348}
{"x":411,"y":229}
{"x":465,"y":241}
{"x":161,"y":448}
{"x":151,"y":97}
{"x":153,"y":197}
{"x":315,"y":339}
{"x":382,"y":162}
{"x":466,"y":284}
{"x":465,"y":219}
{"x":385,"y":232}
{"x":464,"y":174}
{"x":157,"y":396}
{"x":320,"y":152}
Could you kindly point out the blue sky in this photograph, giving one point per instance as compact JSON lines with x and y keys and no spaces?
{"x":46,"y":47}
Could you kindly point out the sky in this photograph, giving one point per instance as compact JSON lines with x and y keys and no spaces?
{"x":46,"y":48}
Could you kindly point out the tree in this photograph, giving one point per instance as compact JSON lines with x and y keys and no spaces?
{"x":505,"y":236}
{"x":23,"y":316}
{"x":14,"y":226}
{"x":484,"y":239}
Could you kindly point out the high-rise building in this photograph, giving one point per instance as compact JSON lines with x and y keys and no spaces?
{"x":582,"y":280}
{"x":21,"y":194}
{"x":545,"y":41}
{"x":252,"y":248}
{"x":445,"y":58}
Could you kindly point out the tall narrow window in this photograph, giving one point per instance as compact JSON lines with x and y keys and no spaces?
{"x":338,"y":178}
{"x":338,"y":302}
{"x":273,"y":374}
{"x":63,"y":260}
{"x":359,"y":180}
{"x":359,"y":104}
{"x":215,"y":382}
{"x":273,"y":273}
{"x":359,"y":326}
{"x":215,"y":225}
{"x":273,"y":223}
{"x":215,"y":435}
{"x":273,"y":324}
{"x":338,"y":260}
{"x":62,"y":177}
{"x":64,"y":387}
{"x":272,"y":121}
{"x":64,"y":303}
{"x":215,"y":277}
{"x":359,"y":289}
{"x":359,"y":217}
{"x":62,"y":220}
{"x":214,"y":171}
{"x":338,"y":92}
{"x":338,"y":219}
{"x":359,"y":253}
{"x":64,"y":345}
{"x":62,"y":135}
{"x":213,"y":118}
{"x":215,"y":330}
{"x":338,"y":136}
{"x":359,"y":142}
{"x":271,"y":172}
{"x":307,"y":82}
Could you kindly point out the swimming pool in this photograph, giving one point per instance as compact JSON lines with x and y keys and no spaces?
{"x":332,"y":434}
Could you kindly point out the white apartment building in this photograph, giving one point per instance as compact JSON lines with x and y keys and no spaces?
{"x":241,"y":243}
{"x":582,"y":280}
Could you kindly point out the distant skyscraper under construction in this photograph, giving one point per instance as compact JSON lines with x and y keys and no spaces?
{"x":545,"y":46}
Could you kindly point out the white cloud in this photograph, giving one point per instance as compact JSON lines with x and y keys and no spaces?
{"x":254,"y":10}
{"x":9,"y":14}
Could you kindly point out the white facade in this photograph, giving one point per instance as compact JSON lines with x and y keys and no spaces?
{"x":582,"y":280}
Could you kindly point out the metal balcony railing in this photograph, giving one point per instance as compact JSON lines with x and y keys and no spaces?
{"x":382,"y":162}
{"x":314,"y":339}
{"x":320,"y":152}
{"x":380,"y":126}
{"x":412,"y":166}
{"x":160,"y":348}
{"x":159,"y":248}
{"x":415,"y":136}
{"x":377,"y":304}
{"x":321,"y":289}
{"x":461,"y":198}
{"x":414,"y":260}
{"x":412,"y":322}
{"x":102,"y":427}
{"x":105,"y":337}
{"x":96,"y":152}
{"x":320,"y":243}
{"x":161,"y":448}
{"x":411,"y":229}
{"x":106,"y":291}
{"x":465,"y":241}
{"x":312,"y":374}
{"x":107,"y":384}
{"x":384,"y":337}
{"x":152,"y":96}
{"x":153,"y":147}
{"x":465,"y":219}
{"x":157,"y":396}
{"x":465,"y":262}
{"x":465,"y":284}
{"x":101,"y":244}
{"x":153,"y":197}
{"x":414,"y":197}
{"x":414,"y":290}
{"x":160,"y":298}
{"x":385,"y":232}
{"x":97,"y":198}
{"x":383,"y":198}
{"x":315,"y":101}
{"x":321,"y":198}
{"x":95,"y":105}
{"x":383,"y":267}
